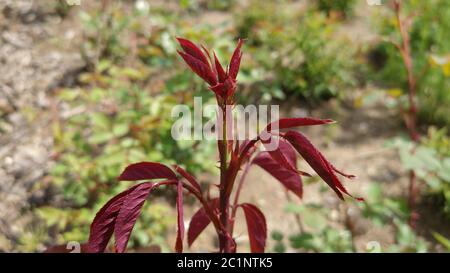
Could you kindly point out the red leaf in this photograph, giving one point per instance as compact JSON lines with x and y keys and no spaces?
{"x":200,"y":221}
{"x":128,"y":214}
{"x":317,"y":161}
{"x":180,"y":231}
{"x":225,"y":88}
{"x":284,"y":154}
{"x":247,"y":147}
{"x":256,"y":226}
{"x":285,"y":123}
{"x":146,"y":170}
{"x":235,"y":61}
{"x":350,"y":176}
{"x":188,"y":177}
{"x":193,"y":50}
{"x":103,"y":225}
{"x":200,"y":68}
{"x":219,"y":68}
{"x":291,"y":180}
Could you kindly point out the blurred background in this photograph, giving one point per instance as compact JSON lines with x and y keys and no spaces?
{"x":87,"y":89}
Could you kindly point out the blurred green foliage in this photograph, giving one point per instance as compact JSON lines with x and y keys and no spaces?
{"x":385,"y":211}
{"x":291,"y":52}
{"x":442,"y":240}
{"x":431,"y":162}
{"x":345,"y":7}
{"x":430,"y":51}
{"x":323,"y":236}
{"x":118,"y":113}
{"x":320,"y":234}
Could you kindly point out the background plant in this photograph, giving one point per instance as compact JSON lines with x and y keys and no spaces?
{"x":416,"y":51}
{"x":429,"y":50}
{"x":292,"y":52}
{"x":344,"y":7}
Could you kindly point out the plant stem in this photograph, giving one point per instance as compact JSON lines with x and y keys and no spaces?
{"x":216,"y":222}
{"x":411,"y":116}
{"x":298,"y":217}
{"x":236,"y":196}
{"x":412,"y":199}
{"x":224,"y":197}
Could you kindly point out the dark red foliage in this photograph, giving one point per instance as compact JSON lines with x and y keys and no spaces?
{"x":256,"y":226}
{"x":318,"y":162}
{"x":201,"y":69}
{"x":221,"y":82}
{"x":221,"y":74}
{"x":191,"y":49}
{"x":285,"y":123}
{"x":283,"y":170}
{"x":120,"y":214}
{"x":180,"y":221}
{"x":128,"y":214}
{"x":188,"y":177}
{"x":284,"y":154}
{"x":235,"y":61}
{"x":102,"y":227}
{"x":199,"y":221}
{"x":146,"y":171}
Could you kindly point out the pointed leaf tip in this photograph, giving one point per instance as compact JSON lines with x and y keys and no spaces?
{"x":318,"y":162}
{"x":219,"y":69}
{"x":235,"y":61}
{"x":200,"y":68}
{"x":285,"y":123}
{"x":192,"y":49}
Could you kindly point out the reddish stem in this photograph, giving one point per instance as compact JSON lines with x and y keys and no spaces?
{"x":220,"y":229}
{"x":412,"y":199}
{"x":411,"y":117}
{"x":235,"y":165}
{"x":224,"y":240}
{"x":236,"y":196}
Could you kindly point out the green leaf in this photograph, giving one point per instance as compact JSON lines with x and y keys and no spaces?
{"x":303,"y":241}
{"x":100,"y":121}
{"x":294,"y":208}
{"x":120,"y":130}
{"x":100,"y":138}
{"x":444,"y":173}
{"x":277,"y":236}
{"x":104,"y":65}
{"x":68,"y":94}
{"x":279,"y":247}
{"x":441,"y":239}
